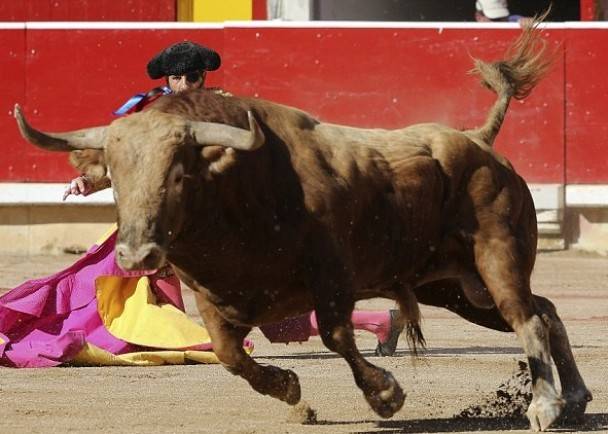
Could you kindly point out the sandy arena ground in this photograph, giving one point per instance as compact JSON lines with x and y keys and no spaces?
{"x":463,"y":367}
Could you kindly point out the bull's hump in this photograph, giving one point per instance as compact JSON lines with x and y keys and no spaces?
{"x":363,"y":143}
{"x":351,"y":136}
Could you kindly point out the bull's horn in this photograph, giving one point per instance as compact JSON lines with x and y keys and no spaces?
{"x":210,"y":133}
{"x":88,"y":138}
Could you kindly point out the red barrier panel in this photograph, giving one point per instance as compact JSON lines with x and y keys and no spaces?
{"x":12,"y":50}
{"x":383,"y":77}
{"x":390,"y":78}
{"x":587,"y":106}
{"x":88,"y":10}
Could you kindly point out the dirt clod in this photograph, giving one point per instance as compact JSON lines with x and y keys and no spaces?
{"x":74,"y":250}
{"x":302,"y":413}
{"x":511,"y":399}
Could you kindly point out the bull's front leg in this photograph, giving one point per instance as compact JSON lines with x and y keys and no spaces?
{"x":228,"y":346}
{"x":334,"y":303}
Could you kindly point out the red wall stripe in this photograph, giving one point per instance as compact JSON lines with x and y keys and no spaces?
{"x":259,"y":10}
{"x":88,"y":10}
{"x":588,"y":10}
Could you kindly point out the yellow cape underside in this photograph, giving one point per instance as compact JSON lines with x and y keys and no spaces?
{"x":131,"y":312}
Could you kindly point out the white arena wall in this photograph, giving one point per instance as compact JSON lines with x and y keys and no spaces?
{"x":34,"y":220}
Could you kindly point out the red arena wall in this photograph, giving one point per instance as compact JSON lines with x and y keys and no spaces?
{"x":390,"y":78}
{"x":586,"y":106}
{"x":360,"y":74}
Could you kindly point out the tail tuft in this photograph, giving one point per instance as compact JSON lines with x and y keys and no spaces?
{"x":415,"y":338}
{"x":411,"y":318}
{"x":526,"y":62}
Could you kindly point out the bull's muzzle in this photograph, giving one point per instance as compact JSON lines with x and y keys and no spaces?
{"x":147,"y":256}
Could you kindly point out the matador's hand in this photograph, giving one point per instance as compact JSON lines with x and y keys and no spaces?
{"x":78,"y":186}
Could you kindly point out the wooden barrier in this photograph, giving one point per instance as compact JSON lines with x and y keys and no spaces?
{"x":71,"y":75}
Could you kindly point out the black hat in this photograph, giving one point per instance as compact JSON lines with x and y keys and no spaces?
{"x":182,"y":58}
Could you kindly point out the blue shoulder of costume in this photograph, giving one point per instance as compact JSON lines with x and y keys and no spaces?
{"x":140,"y":100}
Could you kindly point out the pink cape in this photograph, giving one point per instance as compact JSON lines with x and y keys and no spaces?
{"x":46,"y":322}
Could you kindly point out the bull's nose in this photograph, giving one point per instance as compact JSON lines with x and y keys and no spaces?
{"x":148,"y":256}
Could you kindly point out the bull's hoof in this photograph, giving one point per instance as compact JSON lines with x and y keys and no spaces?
{"x":543,"y":412}
{"x":389,"y":400}
{"x":293,"y":392}
{"x":576,"y":405}
{"x":279,"y":383}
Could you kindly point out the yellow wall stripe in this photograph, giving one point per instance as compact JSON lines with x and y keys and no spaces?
{"x":222,"y":10}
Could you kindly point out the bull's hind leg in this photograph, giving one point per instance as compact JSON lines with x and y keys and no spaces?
{"x":228,"y":346}
{"x":574,"y":391}
{"x":505,"y":273}
{"x":449,"y":294}
{"x":333,"y":307}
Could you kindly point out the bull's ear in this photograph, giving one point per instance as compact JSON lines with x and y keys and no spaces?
{"x":90,"y":162}
{"x":218,"y":159}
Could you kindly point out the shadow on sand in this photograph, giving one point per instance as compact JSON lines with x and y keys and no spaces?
{"x":429,"y":352}
{"x":593,"y":422}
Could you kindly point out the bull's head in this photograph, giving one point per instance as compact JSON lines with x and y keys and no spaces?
{"x":151,"y":155}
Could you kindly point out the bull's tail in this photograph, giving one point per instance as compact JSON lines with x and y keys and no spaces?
{"x":526,"y":63}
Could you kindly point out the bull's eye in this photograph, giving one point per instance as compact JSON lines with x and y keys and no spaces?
{"x":176,"y":176}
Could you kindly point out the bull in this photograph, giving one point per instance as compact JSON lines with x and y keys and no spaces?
{"x":268,"y":212}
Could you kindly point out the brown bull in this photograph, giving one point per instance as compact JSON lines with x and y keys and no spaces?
{"x":269,"y":213}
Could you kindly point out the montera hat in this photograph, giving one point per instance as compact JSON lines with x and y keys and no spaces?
{"x":182,"y":58}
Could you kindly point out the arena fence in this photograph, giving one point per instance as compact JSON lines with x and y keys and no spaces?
{"x":369,"y":74}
